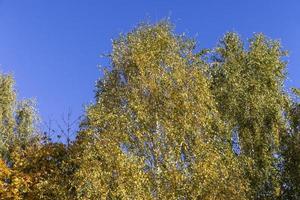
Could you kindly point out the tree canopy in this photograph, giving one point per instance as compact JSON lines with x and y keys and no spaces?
{"x":169,"y":121}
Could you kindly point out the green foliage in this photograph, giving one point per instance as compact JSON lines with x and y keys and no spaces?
{"x":18,"y":120}
{"x":169,"y":122}
{"x":17,"y":132}
{"x":248,"y":86}
{"x":7,"y":105}
{"x":291,"y":153}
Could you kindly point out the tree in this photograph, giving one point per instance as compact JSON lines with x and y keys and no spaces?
{"x":17,"y":132}
{"x":154,"y":131}
{"x":50,"y":172}
{"x":169,"y":121}
{"x":248,"y":86}
{"x":7,"y":105}
{"x":291,"y":151}
{"x":18,"y":119}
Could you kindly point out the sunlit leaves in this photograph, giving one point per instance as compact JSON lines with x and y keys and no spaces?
{"x":169,"y":121}
{"x":155,"y":125}
{"x":247,"y":82}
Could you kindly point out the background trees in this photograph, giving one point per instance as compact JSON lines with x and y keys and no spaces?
{"x":169,"y":121}
{"x":248,"y":85}
{"x":290,"y":152}
{"x":17,"y":133}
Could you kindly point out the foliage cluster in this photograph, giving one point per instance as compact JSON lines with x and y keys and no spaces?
{"x":169,"y":121}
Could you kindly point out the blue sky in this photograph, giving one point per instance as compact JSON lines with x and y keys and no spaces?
{"x":52,"y":47}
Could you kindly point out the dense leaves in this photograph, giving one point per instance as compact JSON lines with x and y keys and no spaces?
{"x":248,"y":86}
{"x":155,"y":117}
{"x":291,"y":152}
{"x":17,"y":133}
{"x":169,"y":121}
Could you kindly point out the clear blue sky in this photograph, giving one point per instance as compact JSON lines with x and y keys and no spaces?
{"x":52,"y":46}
